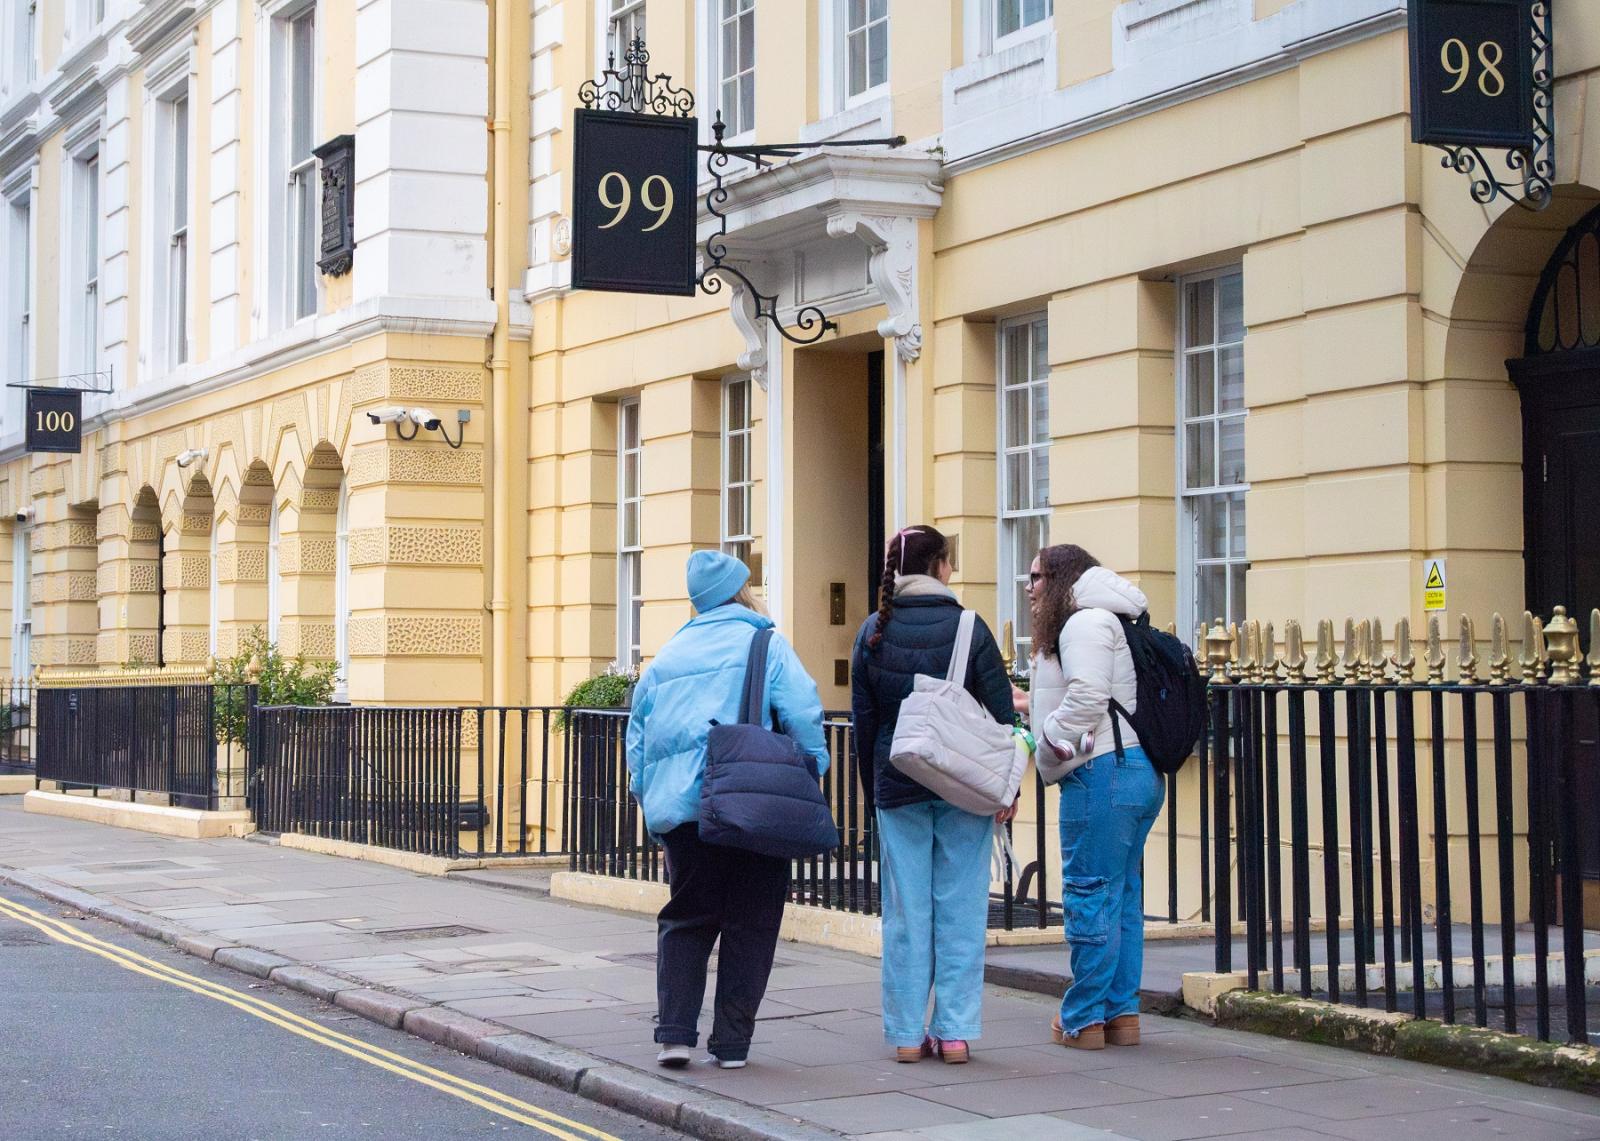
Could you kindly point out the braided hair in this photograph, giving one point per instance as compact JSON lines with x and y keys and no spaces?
{"x":915,"y":550}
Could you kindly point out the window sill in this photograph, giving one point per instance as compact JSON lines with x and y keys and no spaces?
{"x":872,"y":117}
{"x":1016,"y":71}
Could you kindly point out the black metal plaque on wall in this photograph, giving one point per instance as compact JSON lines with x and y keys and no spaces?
{"x":337,"y":157}
{"x":54,"y":420}
{"x":1472,"y":73}
{"x":634,"y":202}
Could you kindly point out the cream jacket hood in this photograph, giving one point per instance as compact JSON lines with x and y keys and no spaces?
{"x":1072,"y":695}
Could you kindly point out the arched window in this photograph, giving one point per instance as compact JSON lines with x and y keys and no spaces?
{"x":274,"y":597}
{"x":341,"y":594}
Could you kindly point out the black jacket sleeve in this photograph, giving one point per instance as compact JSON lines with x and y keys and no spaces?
{"x":864,"y":716}
{"x":987,"y":679}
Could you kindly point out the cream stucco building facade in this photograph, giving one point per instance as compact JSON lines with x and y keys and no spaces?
{"x":1166,"y":278}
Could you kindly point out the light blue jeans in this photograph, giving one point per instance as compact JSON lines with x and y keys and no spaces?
{"x":935,"y":869}
{"x":1107,"y":809}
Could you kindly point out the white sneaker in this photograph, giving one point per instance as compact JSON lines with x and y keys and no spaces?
{"x":729,"y":1063}
{"x":673,"y":1057}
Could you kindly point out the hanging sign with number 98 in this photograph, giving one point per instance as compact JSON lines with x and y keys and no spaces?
{"x":54,"y":420}
{"x":1472,"y":73}
{"x":633,"y":202}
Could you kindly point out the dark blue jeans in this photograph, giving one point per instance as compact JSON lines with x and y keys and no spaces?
{"x":1107,"y":809}
{"x":716,"y":891}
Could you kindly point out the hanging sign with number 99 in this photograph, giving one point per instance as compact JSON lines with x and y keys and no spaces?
{"x":633,"y":203}
{"x":54,"y":420}
{"x":1472,"y":73}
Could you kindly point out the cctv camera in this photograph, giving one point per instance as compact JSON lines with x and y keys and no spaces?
{"x":24,"y":515}
{"x":387,"y":415}
{"x":424,"y":418}
{"x":190,"y":455}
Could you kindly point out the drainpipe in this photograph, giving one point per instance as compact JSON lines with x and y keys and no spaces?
{"x":500,"y":468}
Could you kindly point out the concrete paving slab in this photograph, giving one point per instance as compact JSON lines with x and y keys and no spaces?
{"x":1186,"y":1118}
{"x":1468,"y":1123}
{"x":875,"y":1113}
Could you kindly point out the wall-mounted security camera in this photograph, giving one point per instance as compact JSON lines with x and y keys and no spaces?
{"x":25,"y":515}
{"x":190,"y":455}
{"x":424,"y":419}
{"x":387,"y":415}
{"x":409,"y":421}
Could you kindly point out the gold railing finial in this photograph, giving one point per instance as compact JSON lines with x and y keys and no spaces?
{"x":1270,"y":666}
{"x":1531,"y":659}
{"x":1404,"y":658}
{"x":252,"y":669}
{"x":1434,"y":655}
{"x":1467,"y":652}
{"x":1008,"y":645}
{"x":1379,"y":654}
{"x":1327,"y":663}
{"x":1294,"y":652}
{"x":1561,"y":639}
{"x":1219,"y":649}
{"x":1594,"y":647}
{"x":1250,"y":652}
{"x":1499,"y":652}
{"x":1353,"y":659}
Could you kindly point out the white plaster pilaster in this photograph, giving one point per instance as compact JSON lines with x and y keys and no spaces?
{"x":116,"y":236}
{"x":422,"y":153}
{"x":226,"y":203}
{"x":548,"y":238}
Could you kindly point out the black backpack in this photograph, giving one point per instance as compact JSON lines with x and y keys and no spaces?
{"x":1170,"y":713}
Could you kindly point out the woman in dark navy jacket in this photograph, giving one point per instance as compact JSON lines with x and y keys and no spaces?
{"x":935,"y":856}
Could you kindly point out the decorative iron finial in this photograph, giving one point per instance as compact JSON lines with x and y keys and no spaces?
{"x":1377,"y":660}
{"x":633,"y":89}
{"x":1008,"y":645}
{"x":1467,"y":653}
{"x":1171,"y":628}
{"x":1219,"y":650}
{"x":1531,"y":660}
{"x":1404,"y":658}
{"x":1270,"y":665}
{"x":1327,"y":663}
{"x":1435,"y":652}
{"x":1294,"y":652}
{"x":1594,"y":647}
{"x":1499,"y":652}
{"x":252,"y":669}
{"x":1352,"y":655}
{"x":1250,"y":652}
{"x":1561,"y":639}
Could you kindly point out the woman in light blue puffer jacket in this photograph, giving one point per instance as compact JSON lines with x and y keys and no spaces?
{"x":697,"y":679}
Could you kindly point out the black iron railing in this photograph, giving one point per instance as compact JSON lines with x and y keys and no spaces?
{"x":18,"y":754}
{"x":389,"y":777}
{"x":1429,"y":848}
{"x":146,"y":738}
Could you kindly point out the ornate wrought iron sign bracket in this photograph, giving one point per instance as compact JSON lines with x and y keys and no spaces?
{"x":632,"y":89}
{"x":1483,"y":78}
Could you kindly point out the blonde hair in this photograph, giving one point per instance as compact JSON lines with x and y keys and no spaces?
{"x":746,"y":597}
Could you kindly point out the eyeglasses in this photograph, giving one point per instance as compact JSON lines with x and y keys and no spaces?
{"x":1036,"y":577}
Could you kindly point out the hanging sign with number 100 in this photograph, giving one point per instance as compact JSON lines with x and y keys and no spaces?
{"x":1472,"y":73}
{"x":54,"y":420}
{"x":633,"y":202}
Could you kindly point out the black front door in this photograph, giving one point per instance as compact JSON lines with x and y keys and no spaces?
{"x":1561,"y":482}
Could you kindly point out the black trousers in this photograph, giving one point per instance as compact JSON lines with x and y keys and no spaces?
{"x":733,"y":893}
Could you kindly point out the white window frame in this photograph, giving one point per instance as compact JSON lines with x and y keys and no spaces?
{"x":167,"y":322}
{"x":341,"y":595}
{"x":1189,"y":349}
{"x":712,"y":77}
{"x":274,"y":577}
{"x":738,"y":541}
{"x":21,"y":300}
{"x":1012,"y":571}
{"x":286,"y":265}
{"x":87,"y":15}
{"x":616,"y":21}
{"x":21,"y":601}
{"x":629,"y":555}
{"x":82,"y":255}
{"x":996,"y":41}
{"x":839,"y":45}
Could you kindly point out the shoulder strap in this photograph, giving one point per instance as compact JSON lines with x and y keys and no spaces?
{"x":963,"y":648}
{"x":753,"y":700}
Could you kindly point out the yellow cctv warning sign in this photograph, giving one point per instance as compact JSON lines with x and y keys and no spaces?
{"x":1433,"y":585}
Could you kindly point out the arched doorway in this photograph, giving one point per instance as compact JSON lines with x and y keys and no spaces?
{"x":1558,"y":379}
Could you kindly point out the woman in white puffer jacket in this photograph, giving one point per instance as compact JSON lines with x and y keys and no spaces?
{"x":1109,"y":797}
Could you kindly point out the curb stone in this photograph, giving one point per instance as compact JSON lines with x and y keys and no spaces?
{"x":698,"y":1113}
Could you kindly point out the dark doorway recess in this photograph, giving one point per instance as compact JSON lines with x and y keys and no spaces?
{"x":875,"y":509}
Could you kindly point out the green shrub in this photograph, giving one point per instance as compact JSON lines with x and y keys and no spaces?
{"x":608,"y":690}
{"x":283,"y":681}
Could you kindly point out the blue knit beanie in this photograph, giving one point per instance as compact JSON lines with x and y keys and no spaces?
{"x":714,"y":578}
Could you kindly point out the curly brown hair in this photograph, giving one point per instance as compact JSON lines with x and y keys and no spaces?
{"x":1060,"y":567}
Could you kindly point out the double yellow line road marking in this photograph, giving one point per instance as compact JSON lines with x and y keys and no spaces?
{"x":482,"y":1096}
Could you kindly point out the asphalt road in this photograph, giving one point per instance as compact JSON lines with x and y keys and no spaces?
{"x":92,"y":1048}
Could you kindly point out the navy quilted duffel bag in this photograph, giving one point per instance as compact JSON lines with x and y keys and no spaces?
{"x":761,"y":790}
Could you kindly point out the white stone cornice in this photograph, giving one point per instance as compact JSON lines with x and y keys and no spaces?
{"x":159,"y":19}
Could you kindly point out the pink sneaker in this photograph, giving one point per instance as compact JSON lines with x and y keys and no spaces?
{"x":952,"y":1051}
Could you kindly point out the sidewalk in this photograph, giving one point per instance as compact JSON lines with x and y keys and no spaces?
{"x":585,"y":978}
